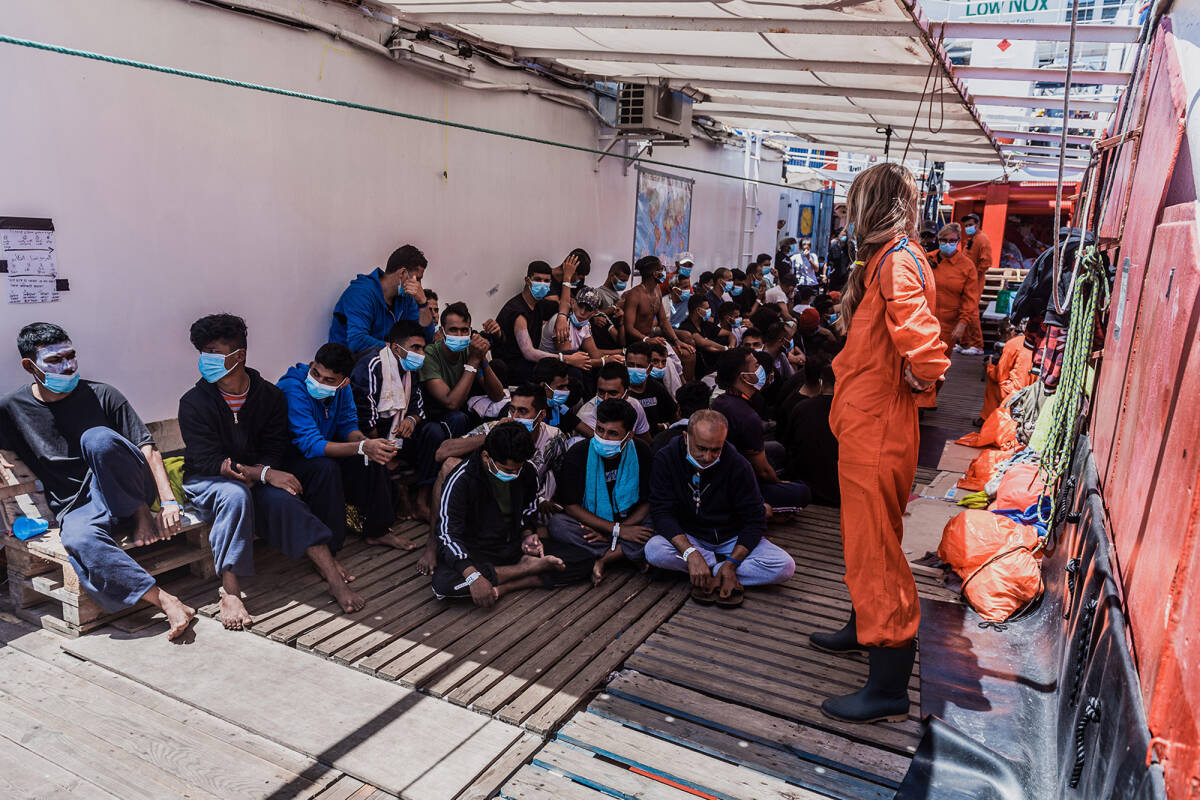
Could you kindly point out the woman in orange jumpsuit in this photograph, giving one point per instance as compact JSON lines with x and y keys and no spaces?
{"x":957,"y":286}
{"x":893,"y":352}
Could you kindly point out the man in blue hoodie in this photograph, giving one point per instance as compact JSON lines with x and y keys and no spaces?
{"x":333,"y":460}
{"x":373,"y":303}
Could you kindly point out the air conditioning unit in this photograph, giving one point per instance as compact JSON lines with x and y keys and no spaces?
{"x":649,"y":109}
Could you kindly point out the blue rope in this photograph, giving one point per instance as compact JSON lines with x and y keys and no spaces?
{"x":258,"y":87}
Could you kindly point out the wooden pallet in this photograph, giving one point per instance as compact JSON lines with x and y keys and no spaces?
{"x":42,"y":584}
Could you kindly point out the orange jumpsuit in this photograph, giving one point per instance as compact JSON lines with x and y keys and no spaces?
{"x":874,"y":417}
{"x":957,"y":293}
{"x":979,"y":250}
{"x":1011,"y":374}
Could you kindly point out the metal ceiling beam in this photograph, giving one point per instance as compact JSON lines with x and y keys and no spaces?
{"x":868,"y":113}
{"x":814,"y":91}
{"x":1038,"y":32}
{"x":1047,"y":122}
{"x":1070,"y":162}
{"x":1078,"y":76}
{"x":1041,"y":137}
{"x":1043,"y":102}
{"x":1042,"y":150}
{"x":839,"y":67}
{"x":855,"y":143}
{"x":902,"y":120}
{"x":1057,"y":32}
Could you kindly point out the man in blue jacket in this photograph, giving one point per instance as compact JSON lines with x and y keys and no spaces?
{"x":708,"y":514}
{"x":333,"y":460}
{"x":373,"y":303}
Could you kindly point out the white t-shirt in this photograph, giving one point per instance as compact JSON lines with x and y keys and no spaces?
{"x":775,"y":295}
{"x":576,"y":335}
{"x":587,"y":415}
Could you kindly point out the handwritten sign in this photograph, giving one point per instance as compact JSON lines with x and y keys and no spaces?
{"x":31,"y":262}
{"x":32,"y":289}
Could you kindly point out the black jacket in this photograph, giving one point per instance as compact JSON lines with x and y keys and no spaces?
{"x":1033,"y":298}
{"x":470,"y":520}
{"x":731,"y":506}
{"x":211,"y":433}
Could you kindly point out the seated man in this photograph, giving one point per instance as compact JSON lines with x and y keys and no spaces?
{"x":645,"y":318}
{"x":488,"y":542}
{"x":704,"y":335}
{"x":691,"y":397}
{"x":811,"y":444}
{"x":648,"y":391}
{"x":528,"y":406}
{"x":612,"y":383}
{"x":781,"y":296}
{"x":391,"y":405}
{"x":709,"y":518}
{"x":603,"y":488}
{"x":235,"y":427}
{"x":753,"y":339}
{"x":332,"y":458}
{"x":583,"y":307}
{"x":722,"y":285}
{"x":729,"y":318}
{"x":606,"y":325}
{"x":675,"y":301}
{"x":101,"y":471}
{"x":742,"y":377}
{"x":552,"y":375}
{"x":373,"y":303}
{"x":521,"y":314}
{"x":456,"y":368}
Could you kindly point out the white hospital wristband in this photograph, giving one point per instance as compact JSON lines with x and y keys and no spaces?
{"x":616,"y":534}
{"x":474,"y":576}
{"x":471,"y":369}
{"x":262,"y":477}
{"x":687,"y":553}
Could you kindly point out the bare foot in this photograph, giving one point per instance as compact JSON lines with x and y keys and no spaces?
{"x":233,"y":613}
{"x":537,"y":564}
{"x":347,"y":577}
{"x":179,"y":616}
{"x":602,"y":564}
{"x":392,"y":540}
{"x":145,"y":528}
{"x":346,"y":598}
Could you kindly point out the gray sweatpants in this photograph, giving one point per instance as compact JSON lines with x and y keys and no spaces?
{"x":570,"y":531}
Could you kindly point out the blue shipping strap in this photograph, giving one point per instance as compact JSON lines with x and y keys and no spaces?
{"x":903,"y":245}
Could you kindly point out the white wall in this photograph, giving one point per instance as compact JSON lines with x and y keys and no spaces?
{"x":174,"y":198}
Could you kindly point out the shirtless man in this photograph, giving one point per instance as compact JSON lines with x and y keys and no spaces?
{"x":99,"y":466}
{"x":645,"y":318}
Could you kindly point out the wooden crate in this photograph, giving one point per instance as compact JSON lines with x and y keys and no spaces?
{"x":45,"y":589}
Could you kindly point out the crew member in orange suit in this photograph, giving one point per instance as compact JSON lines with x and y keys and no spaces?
{"x":979,"y":249}
{"x":957,"y":290}
{"x":893,"y":352}
{"x":1012,"y":373}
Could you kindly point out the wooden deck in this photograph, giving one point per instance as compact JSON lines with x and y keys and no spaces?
{"x":716,"y":697}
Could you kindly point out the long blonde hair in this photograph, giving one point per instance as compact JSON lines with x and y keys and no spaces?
{"x":881,"y":204}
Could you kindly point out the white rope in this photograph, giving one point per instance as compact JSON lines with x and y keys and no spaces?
{"x":1062,"y":149}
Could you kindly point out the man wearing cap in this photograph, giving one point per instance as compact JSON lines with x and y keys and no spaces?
{"x":978,"y":248}
{"x":684,"y":265}
{"x":579,"y":336}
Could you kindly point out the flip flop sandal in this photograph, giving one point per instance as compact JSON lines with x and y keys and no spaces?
{"x":735,"y":599}
{"x":705,"y":597}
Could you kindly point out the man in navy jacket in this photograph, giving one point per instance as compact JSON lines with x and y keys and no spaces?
{"x":708,"y":514}
{"x":373,"y":303}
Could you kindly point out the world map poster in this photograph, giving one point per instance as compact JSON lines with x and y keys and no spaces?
{"x":662,"y":215}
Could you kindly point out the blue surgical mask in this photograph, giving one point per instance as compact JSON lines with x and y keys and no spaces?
{"x":755,"y":284}
{"x":212,"y":366}
{"x":500,"y":474}
{"x":685,"y":294}
{"x":528,"y":423}
{"x":687,"y":448}
{"x":707,"y":314}
{"x":606,"y":448}
{"x":59,"y":383}
{"x":412,"y":361}
{"x":736,"y":290}
{"x":456,"y":344}
{"x":833,"y":318}
{"x":728,"y":285}
{"x":767,"y":270}
{"x":637,"y":375}
{"x":970,"y":230}
{"x":318,"y":390}
{"x":841,"y":238}
{"x":559,"y":397}
{"x":791,"y":249}
{"x":685,"y":271}
{"x":621,"y":286}
{"x":760,"y":377}
{"x":576,"y":321}
{"x":770,"y":281}
{"x":948,"y":248}
{"x":657,"y":372}
{"x":737,"y":323}
{"x":539,"y":289}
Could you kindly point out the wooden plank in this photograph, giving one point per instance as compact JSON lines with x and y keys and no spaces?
{"x":424,"y":620}
{"x":593,"y":674}
{"x":492,"y":686}
{"x":681,"y":765}
{"x":588,"y":645}
{"x":778,"y":763}
{"x":535,"y":783}
{"x":375,"y":730}
{"x":29,"y":776}
{"x":502,"y":768}
{"x":582,"y":766}
{"x":341,"y":789}
{"x":329,"y":638}
{"x":745,"y":722}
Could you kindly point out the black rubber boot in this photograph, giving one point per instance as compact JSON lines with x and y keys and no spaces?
{"x":885,"y":697}
{"x":843,"y":641}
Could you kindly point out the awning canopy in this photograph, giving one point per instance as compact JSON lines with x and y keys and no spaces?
{"x":845,"y":76}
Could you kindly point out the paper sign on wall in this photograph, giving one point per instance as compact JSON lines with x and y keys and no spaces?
{"x":27,"y":255}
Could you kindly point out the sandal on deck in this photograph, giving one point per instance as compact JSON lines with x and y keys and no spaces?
{"x":735,"y":599}
{"x":705,"y":597}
